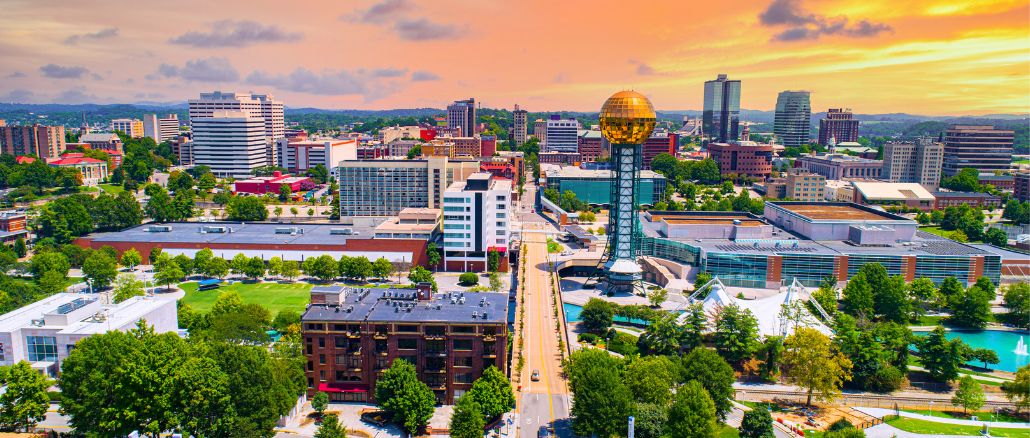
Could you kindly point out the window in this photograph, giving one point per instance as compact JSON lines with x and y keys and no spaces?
{"x":321,"y":342}
{"x":501,"y":215}
{"x":340,"y":341}
{"x":321,"y":359}
{"x":3,"y":357}
{"x":41,"y":348}
{"x":407,"y":328}
{"x":465,"y":362}
{"x":463,"y":378}
{"x":463,"y":329}
{"x":462,"y":344}
{"x":500,"y":224}
{"x":407,"y":344}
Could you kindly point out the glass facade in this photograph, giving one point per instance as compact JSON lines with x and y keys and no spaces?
{"x":992,"y":268}
{"x":382,"y":191}
{"x":737,"y":269}
{"x":810,"y":270}
{"x":670,"y":250}
{"x":41,"y":348}
{"x":937,"y":268}
{"x":892,"y":263}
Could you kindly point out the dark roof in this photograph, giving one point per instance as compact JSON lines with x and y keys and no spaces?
{"x":963,"y":195}
{"x":401,"y":306}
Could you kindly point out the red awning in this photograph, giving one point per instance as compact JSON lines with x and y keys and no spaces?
{"x":501,"y":249}
{"x":342,"y":387}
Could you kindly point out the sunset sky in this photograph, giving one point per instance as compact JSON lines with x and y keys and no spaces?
{"x":933,"y":57}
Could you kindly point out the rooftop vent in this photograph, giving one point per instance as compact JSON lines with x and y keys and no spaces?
{"x":219,"y":229}
{"x":289,"y":230}
{"x":341,"y":231}
{"x":475,"y":315}
{"x":159,"y":229}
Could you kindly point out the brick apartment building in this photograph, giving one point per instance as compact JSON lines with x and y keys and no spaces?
{"x":352,"y":335}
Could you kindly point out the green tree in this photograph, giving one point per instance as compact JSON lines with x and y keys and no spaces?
{"x":996,"y":236}
{"x":493,"y":260}
{"x":468,"y":279}
{"x":967,"y":180}
{"x":757,"y":423}
{"x":650,"y":420}
{"x":662,"y":336}
{"x":100,"y":269}
{"x":971,"y":308}
{"x":24,"y":401}
{"x":1018,"y":390}
{"x":275,"y":266}
{"x":941,"y":357}
{"x":166,"y":271}
{"x":650,"y":379}
{"x":238,"y":264}
{"x":400,"y":393}
{"x":330,"y":427}
{"x":51,"y":283}
{"x":206,"y":182}
{"x":246,"y":208}
{"x":255,"y":268}
{"x":657,"y":297}
{"x":467,"y":419}
{"x":201,"y":396}
{"x":601,"y":400}
{"x":597,"y":315}
{"x":924,"y":291}
{"x":419,"y":274}
{"x":984,"y":355}
{"x":692,"y":413}
{"x":736,"y":334}
{"x":771,"y":355}
{"x":49,"y":262}
{"x":217,"y":268}
{"x":858,"y":296}
{"x":892,"y":302}
{"x":701,"y":279}
{"x":492,"y":392}
{"x":969,"y":395}
{"x":496,"y":284}
{"x":127,"y":286}
{"x":323,"y":267}
{"x":19,"y":247}
{"x":382,"y":268}
{"x":694,"y":325}
{"x":1017,"y":301}
{"x":319,"y":403}
{"x":290,"y":269}
{"x":708,"y":368}
{"x":131,"y":258}
{"x":285,"y":192}
{"x":811,"y":363}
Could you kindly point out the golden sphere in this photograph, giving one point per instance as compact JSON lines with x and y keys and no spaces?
{"x":627,"y":118}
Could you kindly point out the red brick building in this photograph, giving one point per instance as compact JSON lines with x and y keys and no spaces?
{"x":745,"y":158}
{"x":663,"y":143}
{"x":260,"y":185}
{"x":12,"y":226}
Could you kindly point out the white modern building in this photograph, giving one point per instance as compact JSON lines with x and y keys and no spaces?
{"x":161,"y":129}
{"x":562,"y":135}
{"x":299,"y":156}
{"x":390,"y":133}
{"x":261,"y":106}
{"x":131,"y":127}
{"x":44,"y":332}
{"x":231,"y":143}
{"x":918,"y":162}
{"x":476,"y":219}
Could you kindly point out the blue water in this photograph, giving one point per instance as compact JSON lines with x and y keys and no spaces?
{"x":1003,"y":343}
{"x":572,"y":312}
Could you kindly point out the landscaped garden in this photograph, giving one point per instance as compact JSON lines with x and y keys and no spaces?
{"x":932,"y":428}
{"x":273,"y":296}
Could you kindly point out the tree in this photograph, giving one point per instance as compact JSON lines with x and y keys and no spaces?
{"x":811,"y":363}
{"x":496,"y":284}
{"x":1018,"y":390}
{"x":166,"y":271}
{"x":19,"y":247}
{"x":695,"y":323}
{"x":275,"y":266}
{"x":24,"y":401}
{"x":597,"y":315}
{"x":858,"y":296}
{"x":400,"y":393}
{"x":323,"y":267}
{"x":358,"y":268}
{"x":984,"y":355}
{"x":382,"y":268}
{"x":1017,"y":300}
{"x":850,"y":432}
{"x":664,"y":164}
{"x":100,"y":269}
{"x":320,"y":402}
{"x":49,"y":262}
{"x":492,"y":392}
{"x":924,"y":291}
{"x":493,"y":260}
{"x":969,"y":395}
{"x":941,"y":357}
{"x":736,"y":334}
{"x":238,"y":264}
{"x":601,"y":401}
{"x":650,"y":420}
{"x":217,"y":268}
{"x":255,"y":268}
{"x":311,"y":212}
{"x":587,"y":216}
{"x":757,"y":423}
{"x":131,"y":258}
{"x":661,"y":337}
{"x":419,"y":274}
{"x":657,"y":297}
{"x":692,"y":413}
{"x":127,"y":286}
{"x":967,"y":180}
{"x":701,"y":279}
{"x":650,"y":379}
{"x":51,"y":282}
{"x":432,"y":255}
{"x":996,"y":236}
{"x":971,"y":308}
{"x":202,"y":398}
{"x":468,"y":279}
{"x":708,"y":368}
{"x":285,"y":192}
{"x":206,"y":182}
{"x":290,"y":269}
{"x":246,"y":208}
{"x":467,"y":419}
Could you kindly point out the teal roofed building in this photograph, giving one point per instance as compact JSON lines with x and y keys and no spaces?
{"x":594,"y":186}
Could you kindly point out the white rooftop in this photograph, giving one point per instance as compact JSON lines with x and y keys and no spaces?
{"x":893,"y":191}
{"x":117,"y":315}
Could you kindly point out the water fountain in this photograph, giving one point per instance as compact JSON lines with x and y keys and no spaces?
{"x":1021,"y":348}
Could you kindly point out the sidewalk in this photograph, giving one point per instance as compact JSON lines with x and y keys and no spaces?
{"x":881,"y":412}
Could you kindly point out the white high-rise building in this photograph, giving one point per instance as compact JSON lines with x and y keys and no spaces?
{"x":476,"y":219}
{"x":562,"y":135}
{"x":262,"y":106}
{"x":231,"y":143}
{"x":918,"y":162}
{"x":131,"y":127}
{"x":161,"y":130}
{"x":519,"y":130}
{"x":299,"y":156}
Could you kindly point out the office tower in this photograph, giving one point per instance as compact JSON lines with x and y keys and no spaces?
{"x":462,"y":114}
{"x":918,"y":162}
{"x":981,"y":147}
{"x":744,"y":158}
{"x":519,"y":130}
{"x":475,"y":221}
{"x":657,"y":143}
{"x":231,"y":143}
{"x":131,"y":127}
{"x":385,"y":187}
{"x":839,"y":125}
{"x":721,"y":116}
{"x":793,"y":119}
{"x":160,"y":129}
{"x":797,"y":185}
{"x":41,"y":141}
{"x":299,"y":156}
{"x":261,"y":106}
{"x":562,"y":135}
{"x":592,"y":145}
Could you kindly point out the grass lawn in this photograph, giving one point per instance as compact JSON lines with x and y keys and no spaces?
{"x":725,"y":431}
{"x":986,"y":415}
{"x":273,"y":296}
{"x":112,"y":189}
{"x":932,"y":428}
{"x":943,"y":233}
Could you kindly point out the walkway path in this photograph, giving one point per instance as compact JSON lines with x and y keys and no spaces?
{"x":881,"y":412}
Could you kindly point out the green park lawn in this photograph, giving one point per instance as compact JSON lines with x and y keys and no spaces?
{"x":725,"y":431}
{"x":957,"y":414}
{"x":932,"y":428}
{"x":274,"y":296}
{"x":112,"y":189}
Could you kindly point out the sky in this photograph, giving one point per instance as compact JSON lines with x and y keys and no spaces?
{"x":931,"y":57}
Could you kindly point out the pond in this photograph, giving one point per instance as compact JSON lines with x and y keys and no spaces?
{"x":1002,"y":342}
{"x":572,"y":312}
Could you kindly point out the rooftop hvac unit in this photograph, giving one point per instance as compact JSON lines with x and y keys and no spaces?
{"x":289,"y":230}
{"x":341,"y":231}
{"x":215,"y":229}
{"x":159,"y":229}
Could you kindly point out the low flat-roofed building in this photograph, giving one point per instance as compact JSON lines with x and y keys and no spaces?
{"x":352,"y":334}
{"x":411,"y":223}
{"x":839,"y":191}
{"x":260,"y":185}
{"x":834,"y":220}
{"x":299,"y":156}
{"x":912,"y":195}
{"x":709,"y":224}
{"x":1000,"y":182}
{"x":985,"y":201}
{"x":264,"y":240}
{"x":839,"y":166}
{"x":44,"y":332}
{"x":594,"y":186}
{"x":12,"y":226}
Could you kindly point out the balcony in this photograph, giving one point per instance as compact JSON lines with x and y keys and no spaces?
{"x":356,"y":352}
{"x":353,"y":335}
{"x":438,"y":386}
{"x":436,"y":370}
{"x":379,"y":336}
{"x":489,"y":354}
{"x":434,"y":337}
{"x":436,"y":353}
{"x":489,"y":338}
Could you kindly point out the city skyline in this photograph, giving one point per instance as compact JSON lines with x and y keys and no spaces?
{"x":921,"y":57}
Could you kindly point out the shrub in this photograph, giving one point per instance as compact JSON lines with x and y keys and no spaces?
{"x":588,"y":338}
{"x":624,"y":344}
{"x":886,"y":379}
{"x":468,"y":279}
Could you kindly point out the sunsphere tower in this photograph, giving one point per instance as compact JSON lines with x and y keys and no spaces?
{"x":627,"y":119}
